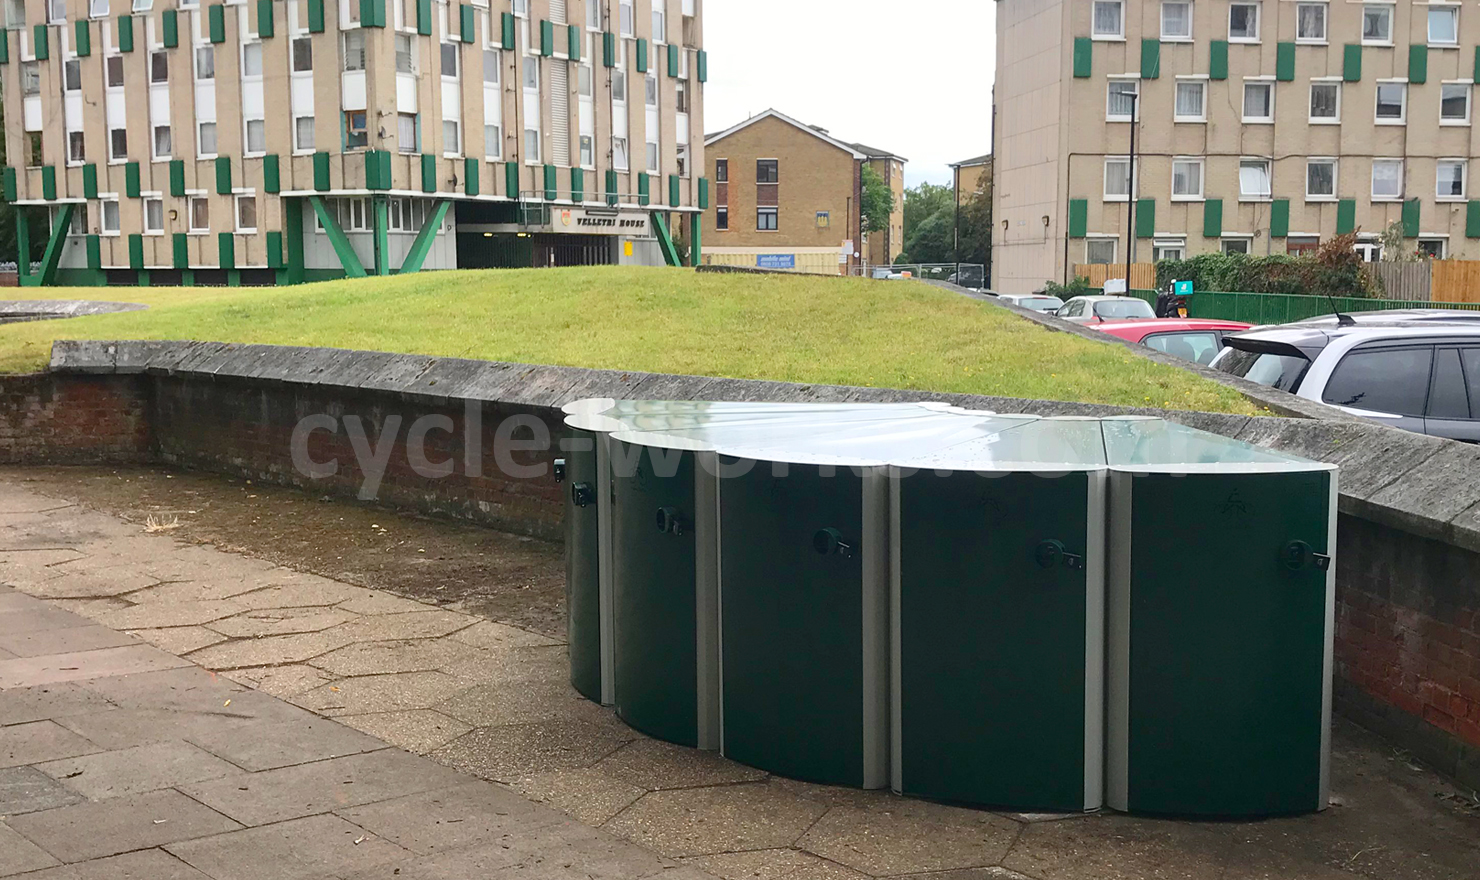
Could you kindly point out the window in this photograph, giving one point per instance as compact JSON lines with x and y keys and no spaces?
{"x":1392,"y":381}
{"x":154,"y":216}
{"x":1176,"y":20}
{"x":625,"y":17}
{"x":118,"y":144}
{"x":97,"y":8}
{"x":451,"y":142}
{"x":1199,"y":347}
{"x":113,"y":67}
{"x":303,"y":140}
{"x":256,"y":136}
{"x":35,"y":158}
{"x":1168,"y":249}
{"x":765,"y":219}
{"x":619,"y":153}
{"x":252,"y":59}
{"x":56,"y":11}
{"x":652,"y":157}
{"x":721,"y":218}
{"x":1187,"y":179}
{"x":406,"y":133}
{"x":1377,"y":23}
{"x":1325,"y":103}
{"x":493,"y":141}
{"x":200,"y":214}
{"x":1243,"y":22}
{"x":619,"y":86}
{"x":531,"y":73}
{"x":1454,"y":104}
{"x":532,"y":147}
{"x":583,"y":80}
{"x":205,"y":62}
{"x":405,"y":54}
{"x":449,"y":59}
{"x":588,"y":151}
{"x":1253,"y":179}
{"x":650,"y":90}
{"x":1387,"y":179}
{"x":1433,"y":248}
{"x":72,"y":75}
{"x":721,"y":170}
{"x":1444,"y":25}
{"x":660,"y":30}
{"x":1451,"y":177}
{"x":110,"y":216}
{"x":1302,"y":245}
{"x":143,"y":5}
{"x":1120,"y":100}
{"x":206,"y":139}
{"x":1392,"y":103}
{"x":1191,"y":103}
{"x":303,"y":54}
{"x":1236,"y":246}
{"x":681,"y":96}
{"x":767,"y":171}
{"x":1117,"y":178}
{"x":1310,"y":23}
{"x":79,"y":221}
{"x":1099,"y":251}
{"x":1259,"y":101}
{"x":593,"y":16}
{"x":491,"y":63}
{"x":1320,"y":179}
{"x":246,"y":213}
{"x":355,"y":133}
{"x":683,"y":160}
{"x":1109,"y":19}
{"x":354,"y":50}
{"x":76,"y":150}
{"x":163,"y":145}
{"x":521,"y":8}
{"x":159,"y":67}
{"x":31,"y":78}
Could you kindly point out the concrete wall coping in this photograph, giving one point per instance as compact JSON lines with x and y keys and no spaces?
{"x":1424,"y":485}
{"x":14,"y":310}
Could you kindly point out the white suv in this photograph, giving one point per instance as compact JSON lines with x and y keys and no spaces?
{"x":1422,"y":377}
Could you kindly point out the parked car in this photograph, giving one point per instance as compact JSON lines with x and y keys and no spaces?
{"x":1420,"y":376}
{"x":1038,"y":302}
{"x":1399,"y":316}
{"x":1094,"y":309}
{"x":1192,"y":339}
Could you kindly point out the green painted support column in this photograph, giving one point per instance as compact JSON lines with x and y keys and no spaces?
{"x":143,"y":278}
{"x":187,"y":278}
{"x":424,"y":238}
{"x":382,"y":235}
{"x":696,"y":238}
{"x":22,"y":245}
{"x":53,"y":254}
{"x":293,"y":232}
{"x":665,"y":241}
{"x":342,"y":248}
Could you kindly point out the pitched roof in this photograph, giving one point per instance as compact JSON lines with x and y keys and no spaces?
{"x":776,"y":114}
{"x":875,"y":153}
{"x":967,"y":163}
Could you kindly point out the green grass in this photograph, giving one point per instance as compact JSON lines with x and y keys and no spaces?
{"x":789,"y":328}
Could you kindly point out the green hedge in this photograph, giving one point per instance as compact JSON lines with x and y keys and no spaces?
{"x":1332,"y":271}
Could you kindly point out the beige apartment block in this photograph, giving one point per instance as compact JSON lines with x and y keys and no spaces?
{"x":278,"y":141}
{"x":1264,"y":127}
{"x":786,"y":196}
{"x":972,"y":177}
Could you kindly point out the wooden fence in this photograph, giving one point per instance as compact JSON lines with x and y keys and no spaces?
{"x":1407,"y":281}
{"x":1143,"y":275}
{"x":1455,"y":281}
{"x":1438,"y":281}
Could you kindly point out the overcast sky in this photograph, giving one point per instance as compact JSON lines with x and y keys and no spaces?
{"x":913,"y":77}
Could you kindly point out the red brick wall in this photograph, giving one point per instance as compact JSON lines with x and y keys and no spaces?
{"x":46,"y":419}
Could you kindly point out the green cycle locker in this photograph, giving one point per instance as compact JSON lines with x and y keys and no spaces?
{"x":998,"y":631}
{"x":1220,"y":610}
{"x":803,"y":598}
{"x":582,"y":565}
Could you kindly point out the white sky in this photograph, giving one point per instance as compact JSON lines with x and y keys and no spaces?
{"x":913,"y":78}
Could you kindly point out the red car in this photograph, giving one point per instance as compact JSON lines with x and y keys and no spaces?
{"x":1192,"y":339}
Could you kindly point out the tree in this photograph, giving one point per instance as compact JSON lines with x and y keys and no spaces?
{"x":932,"y":240}
{"x":976,"y":230}
{"x":921,"y":203}
{"x":878,"y":201}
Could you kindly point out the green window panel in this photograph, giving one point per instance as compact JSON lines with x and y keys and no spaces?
{"x":573,"y":41}
{"x":1150,"y":59}
{"x":136,"y":252}
{"x":170,"y":22}
{"x":182,"y":250}
{"x":1145,"y":218}
{"x":321,"y":170}
{"x":372,"y":13}
{"x":642,"y":54}
{"x":1078,"y":217}
{"x":1472,"y":219}
{"x":48,"y":182}
{"x":1476,"y":74}
{"x":1351,"y":63}
{"x":1410,"y":218}
{"x":125,"y":33}
{"x":216,"y":17}
{"x":1418,"y":63}
{"x":609,"y":49}
{"x":4,"y":47}
{"x":223,"y":175}
{"x":94,"y":252}
{"x":547,"y":38}
{"x":424,"y":17}
{"x":1346,"y":216}
{"x":1279,"y":218}
{"x":226,"y":250}
{"x":177,"y":177}
{"x":702,"y":62}
{"x":272,"y":180}
{"x":1084,"y":57}
{"x":131,"y":186}
{"x":274,"y":250}
{"x":7,"y":184}
{"x":428,"y":173}
{"x":672,"y":61}
{"x":378,"y":170}
{"x":577,"y":185}
{"x":1213,"y":218}
{"x":90,"y":181}
{"x":703,"y":193}
{"x":316,"y":16}
{"x":39,"y":42}
{"x":507,"y":26}
{"x":675,"y":190}
{"x":552,"y":184}
{"x":265,"y":23}
{"x":611,"y":186}
{"x":83,"y":37}
{"x":511,"y":179}
{"x":1284,"y":63}
{"x":644,"y":188}
{"x":1218,"y":60}
{"x":467,"y":23}
{"x":472,"y":176}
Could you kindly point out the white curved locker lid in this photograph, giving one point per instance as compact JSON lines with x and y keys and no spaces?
{"x":1139,"y":444}
{"x":606,"y":415}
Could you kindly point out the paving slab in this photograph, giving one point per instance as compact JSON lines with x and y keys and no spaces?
{"x":31,"y":620}
{"x":584,"y":794}
{"x":396,"y":692}
{"x":774,"y":864}
{"x":704,"y":821}
{"x":468,"y":815}
{"x":402,"y":655}
{"x":415,"y":730}
{"x":18,"y":855}
{"x":37,"y":741}
{"x":104,"y":828}
{"x":138,"y":769}
{"x":300,"y":849}
{"x":281,"y":621}
{"x":507,"y":753}
{"x":146,"y":864}
{"x":28,"y":790}
{"x":62,"y":641}
{"x":267,"y":745}
{"x":180,"y":640}
{"x":280,"y":681}
{"x":19,"y":705}
{"x":910,"y":837}
{"x":83,"y":665}
{"x":654,"y":765}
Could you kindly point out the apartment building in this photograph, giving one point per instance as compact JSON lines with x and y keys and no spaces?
{"x":972,"y":177}
{"x":786,"y":196}
{"x":278,"y":141}
{"x":1261,"y":128}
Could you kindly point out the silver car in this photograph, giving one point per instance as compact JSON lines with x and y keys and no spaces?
{"x":1095,"y":309}
{"x":1038,"y":302}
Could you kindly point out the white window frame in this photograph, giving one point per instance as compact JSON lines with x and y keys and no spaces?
{"x":1246,"y":240}
{"x":1469,"y":89}
{"x":1443,"y":241}
{"x":236,"y":213}
{"x":154,"y":152}
{"x":1323,"y":39}
{"x":190,"y":203}
{"x":1335,"y":179}
{"x":1402,"y":179}
{"x":1174,"y":37}
{"x":1202,"y":85}
{"x":1105,"y":180}
{"x":247,"y":138}
{"x":453,"y":150}
{"x":1386,"y":8}
{"x":1266,"y":83}
{"x":103,"y":203}
{"x":1112,"y":241}
{"x":1159,"y":246}
{"x":216,"y":130}
{"x":493,"y":149}
{"x":1464,"y":179}
{"x":1119,"y":34}
{"x":1377,"y":97}
{"x":299,"y":149}
{"x":1313,"y":119}
{"x":1258,"y":20}
{"x":1202,"y":178}
{"x":151,"y":198}
{"x":1136,"y":112}
{"x":1269,"y":177}
{"x":1453,"y":10}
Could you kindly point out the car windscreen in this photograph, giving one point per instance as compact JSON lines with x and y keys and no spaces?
{"x":1281,"y":371}
{"x":1200,"y":346}
{"x":1126,"y":308}
{"x":1041,"y":303}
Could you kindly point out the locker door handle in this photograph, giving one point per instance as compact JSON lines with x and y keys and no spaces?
{"x":559,"y":470}
{"x":582,"y":494}
{"x":1051,"y":553}
{"x":829,"y":542}
{"x":669,"y":521}
{"x":1299,"y":555}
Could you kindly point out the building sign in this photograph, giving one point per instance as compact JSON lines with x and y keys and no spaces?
{"x":776,"y":261}
{"x":600,"y":222}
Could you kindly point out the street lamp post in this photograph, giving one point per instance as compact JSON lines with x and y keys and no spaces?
{"x":1130,"y":223}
